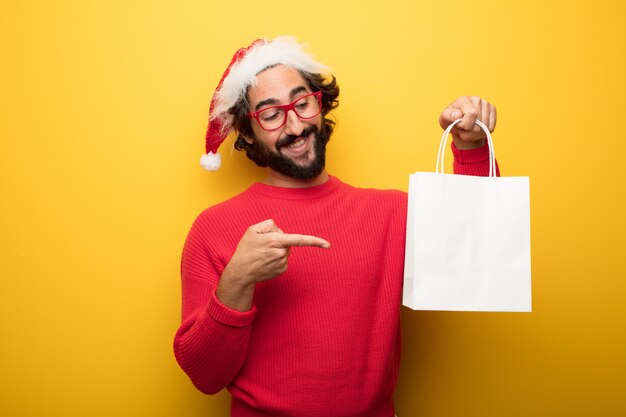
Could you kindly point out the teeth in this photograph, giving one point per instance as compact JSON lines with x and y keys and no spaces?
{"x":296,"y":143}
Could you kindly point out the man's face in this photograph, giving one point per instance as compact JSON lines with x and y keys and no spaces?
{"x":296,"y":149}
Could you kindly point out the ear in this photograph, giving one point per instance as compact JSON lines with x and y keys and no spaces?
{"x":248,"y":139}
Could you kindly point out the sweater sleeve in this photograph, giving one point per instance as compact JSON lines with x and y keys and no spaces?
{"x":212,"y":341}
{"x":472,"y":161}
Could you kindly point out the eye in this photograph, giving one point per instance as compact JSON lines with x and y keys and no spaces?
{"x":302,"y":106}
{"x":302,"y":103}
{"x":269,"y":115}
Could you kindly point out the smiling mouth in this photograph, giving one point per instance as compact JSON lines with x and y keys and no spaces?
{"x":295,"y":141}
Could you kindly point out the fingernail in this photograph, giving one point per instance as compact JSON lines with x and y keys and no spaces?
{"x":456,"y":114}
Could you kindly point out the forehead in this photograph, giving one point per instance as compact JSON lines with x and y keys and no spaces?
{"x":275,"y":83}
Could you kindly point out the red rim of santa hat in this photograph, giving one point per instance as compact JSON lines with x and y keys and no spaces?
{"x":239,"y":76}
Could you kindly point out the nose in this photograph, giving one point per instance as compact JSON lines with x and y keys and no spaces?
{"x":293,"y":125}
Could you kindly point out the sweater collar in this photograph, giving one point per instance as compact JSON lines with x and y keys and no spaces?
{"x":297,"y":193}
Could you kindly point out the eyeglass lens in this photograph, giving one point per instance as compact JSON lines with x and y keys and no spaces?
{"x":305,"y":107}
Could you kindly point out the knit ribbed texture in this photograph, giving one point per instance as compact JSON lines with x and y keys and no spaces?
{"x":323,"y":338}
{"x":472,"y":161}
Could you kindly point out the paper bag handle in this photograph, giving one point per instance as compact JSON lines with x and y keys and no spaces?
{"x":444,"y":139}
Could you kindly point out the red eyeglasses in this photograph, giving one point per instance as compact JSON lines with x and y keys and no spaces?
{"x":275,"y":117}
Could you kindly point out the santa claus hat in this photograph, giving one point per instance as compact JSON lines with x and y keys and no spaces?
{"x":241,"y":74}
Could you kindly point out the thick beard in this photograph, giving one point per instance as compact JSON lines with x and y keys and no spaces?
{"x":287,"y":166}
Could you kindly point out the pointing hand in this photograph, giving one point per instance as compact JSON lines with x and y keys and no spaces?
{"x":261,"y":255}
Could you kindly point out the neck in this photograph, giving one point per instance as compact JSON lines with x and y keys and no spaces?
{"x":277,"y":179}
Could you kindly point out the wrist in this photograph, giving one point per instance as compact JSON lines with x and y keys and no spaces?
{"x":234,"y":291}
{"x":464,"y":145}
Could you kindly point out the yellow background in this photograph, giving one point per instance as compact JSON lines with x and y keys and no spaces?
{"x":103,"y":111}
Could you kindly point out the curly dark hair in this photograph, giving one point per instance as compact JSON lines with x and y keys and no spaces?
{"x":242,"y":124}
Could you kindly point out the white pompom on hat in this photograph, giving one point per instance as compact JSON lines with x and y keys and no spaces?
{"x":239,"y":76}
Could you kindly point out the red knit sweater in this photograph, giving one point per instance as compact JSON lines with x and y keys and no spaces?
{"x":323,"y":338}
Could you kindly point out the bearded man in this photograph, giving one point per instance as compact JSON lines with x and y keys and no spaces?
{"x":289,"y":324}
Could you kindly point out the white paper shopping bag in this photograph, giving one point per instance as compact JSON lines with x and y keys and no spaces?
{"x":468,"y":240}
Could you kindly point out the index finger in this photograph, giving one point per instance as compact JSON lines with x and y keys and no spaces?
{"x":288,"y":240}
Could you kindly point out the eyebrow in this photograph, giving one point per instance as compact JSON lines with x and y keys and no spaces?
{"x":274,"y":101}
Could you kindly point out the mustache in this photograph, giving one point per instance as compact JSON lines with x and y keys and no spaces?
{"x":289,"y":139}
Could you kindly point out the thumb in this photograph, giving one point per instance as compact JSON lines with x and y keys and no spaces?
{"x":266,"y":226}
{"x":449,"y":115}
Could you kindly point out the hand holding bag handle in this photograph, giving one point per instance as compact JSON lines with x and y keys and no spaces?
{"x":444,"y":139}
